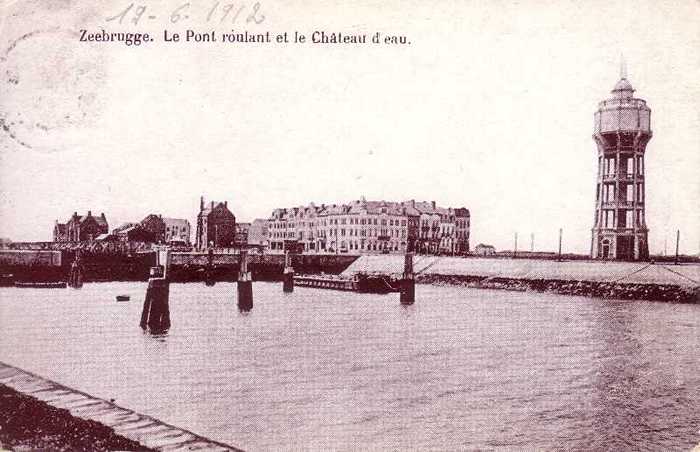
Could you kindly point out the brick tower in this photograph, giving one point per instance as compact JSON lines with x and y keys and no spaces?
{"x":621,"y":132}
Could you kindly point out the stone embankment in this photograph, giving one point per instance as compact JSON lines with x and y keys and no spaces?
{"x":619,"y":280}
{"x":29,"y":424}
{"x":39,"y":414}
{"x":622,"y":291}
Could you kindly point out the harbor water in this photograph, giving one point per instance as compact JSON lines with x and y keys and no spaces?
{"x":461,"y":369}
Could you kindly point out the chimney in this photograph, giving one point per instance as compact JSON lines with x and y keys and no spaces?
{"x":212,"y":205}
{"x":413,"y":203}
{"x":432,"y":203}
{"x":201,"y":203}
{"x":89,"y":213}
{"x":225,"y":203}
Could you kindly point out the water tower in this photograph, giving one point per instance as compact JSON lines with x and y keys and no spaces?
{"x":621,"y":132}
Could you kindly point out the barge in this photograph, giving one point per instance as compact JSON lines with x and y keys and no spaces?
{"x":363,"y":283}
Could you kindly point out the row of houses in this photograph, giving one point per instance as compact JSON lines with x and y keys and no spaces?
{"x":365,"y":227}
{"x":358,"y":227}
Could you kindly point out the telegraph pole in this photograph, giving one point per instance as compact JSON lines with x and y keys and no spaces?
{"x":532,"y":242}
{"x":561,"y":231}
{"x":515,"y":247}
{"x":678,"y":239}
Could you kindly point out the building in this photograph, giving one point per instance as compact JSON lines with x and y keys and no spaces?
{"x":216,"y":225}
{"x":133,"y":232}
{"x":155,"y":225}
{"x":177,"y":230}
{"x":621,"y":132}
{"x":362,"y":227}
{"x":80,"y":228}
{"x":241,"y":237}
{"x":484,"y":250}
{"x":258,"y":234}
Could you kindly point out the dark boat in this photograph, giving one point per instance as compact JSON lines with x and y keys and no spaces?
{"x":376,"y":283}
{"x":41,"y":285}
{"x":123,"y":298}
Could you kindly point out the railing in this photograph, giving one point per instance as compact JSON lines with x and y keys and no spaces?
{"x":621,"y":176}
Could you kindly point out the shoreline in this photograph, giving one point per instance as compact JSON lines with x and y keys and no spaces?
{"x":74,"y":416}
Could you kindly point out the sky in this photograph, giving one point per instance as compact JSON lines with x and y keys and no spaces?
{"x":489,"y":107}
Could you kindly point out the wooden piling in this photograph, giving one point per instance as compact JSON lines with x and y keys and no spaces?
{"x":209,"y":271}
{"x":155,"y":315}
{"x":287,"y":275}
{"x":408,"y":282}
{"x":75,"y":275}
{"x":245,"y":284}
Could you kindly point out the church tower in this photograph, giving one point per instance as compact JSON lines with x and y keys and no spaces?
{"x":621,"y":132}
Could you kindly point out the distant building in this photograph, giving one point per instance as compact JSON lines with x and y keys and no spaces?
{"x":156,"y":226}
{"x":484,"y":250}
{"x":60,"y":232}
{"x":258,"y":234}
{"x":216,"y":225}
{"x":132,"y":232}
{"x":365,"y":227}
{"x":177,"y":230}
{"x":242,"y":231}
{"x":80,"y":228}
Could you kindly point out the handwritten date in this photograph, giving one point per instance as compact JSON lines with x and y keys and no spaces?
{"x":218,"y":12}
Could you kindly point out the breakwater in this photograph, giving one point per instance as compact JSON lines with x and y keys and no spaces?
{"x":599,"y":289}
{"x":620,"y":280}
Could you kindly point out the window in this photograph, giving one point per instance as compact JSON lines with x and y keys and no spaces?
{"x":610,"y":166}
{"x":608,"y":218}
{"x":630,"y":166}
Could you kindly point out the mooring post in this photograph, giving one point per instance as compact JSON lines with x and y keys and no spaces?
{"x":245,"y":284}
{"x":408,"y":282}
{"x":156,"y":307}
{"x":209,"y":271}
{"x":287,"y":274}
{"x":75,"y":275}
